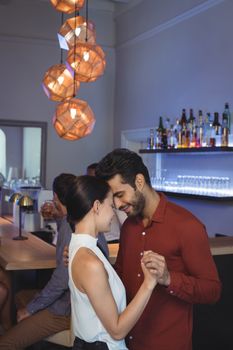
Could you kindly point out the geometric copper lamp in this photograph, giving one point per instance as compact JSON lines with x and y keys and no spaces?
{"x":67,"y":6}
{"x":88,"y":62}
{"x":76,"y":30}
{"x":73,"y":119}
{"x":58,"y":83}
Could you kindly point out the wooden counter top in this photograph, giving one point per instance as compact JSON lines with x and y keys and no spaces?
{"x":221,"y":245}
{"x":218,"y":246}
{"x":29,"y":254}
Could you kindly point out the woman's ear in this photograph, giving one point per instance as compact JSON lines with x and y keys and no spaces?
{"x":96,"y":205}
{"x":139,"y":182}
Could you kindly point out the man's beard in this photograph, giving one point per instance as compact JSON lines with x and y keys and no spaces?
{"x":138,"y":204}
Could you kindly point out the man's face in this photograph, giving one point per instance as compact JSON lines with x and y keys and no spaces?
{"x":60,"y":208}
{"x":126,"y":198}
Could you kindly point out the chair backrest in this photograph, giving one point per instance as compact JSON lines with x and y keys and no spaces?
{"x":65,"y":338}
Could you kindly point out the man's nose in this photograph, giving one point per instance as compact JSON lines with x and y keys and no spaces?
{"x":117,"y":203}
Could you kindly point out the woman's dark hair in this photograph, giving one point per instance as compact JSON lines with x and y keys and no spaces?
{"x":82,"y":194}
{"x":122,"y":162}
{"x":61,"y":185}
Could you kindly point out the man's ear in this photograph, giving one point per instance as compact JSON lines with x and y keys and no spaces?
{"x":139,"y":182}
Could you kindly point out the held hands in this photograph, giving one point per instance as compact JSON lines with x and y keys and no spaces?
{"x":156,"y":264}
{"x":22,"y":314}
{"x":150,"y":275}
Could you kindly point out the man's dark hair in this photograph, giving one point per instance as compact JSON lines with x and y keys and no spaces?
{"x":82,"y":194}
{"x":125,"y":163}
{"x":61,"y":185}
{"x":92,"y":166}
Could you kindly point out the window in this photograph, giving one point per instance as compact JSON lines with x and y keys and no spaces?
{"x":2,"y":153}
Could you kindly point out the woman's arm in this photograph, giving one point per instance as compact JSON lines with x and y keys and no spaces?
{"x":90,"y":277}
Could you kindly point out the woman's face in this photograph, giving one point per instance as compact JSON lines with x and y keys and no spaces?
{"x":105,"y":213}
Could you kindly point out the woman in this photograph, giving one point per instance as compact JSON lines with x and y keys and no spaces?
{"x":98,"y":303}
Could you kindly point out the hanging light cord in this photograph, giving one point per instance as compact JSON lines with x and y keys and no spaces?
{"x":75,"y":25}
{"x":62,"y":21}
{"x":86,"y":20}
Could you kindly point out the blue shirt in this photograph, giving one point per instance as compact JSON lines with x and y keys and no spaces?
{"x":55,"y":296}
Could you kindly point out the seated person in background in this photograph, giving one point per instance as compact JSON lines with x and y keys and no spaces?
{"x":49,"y":311}
{"x":4,"y":302}
{"x":99,"y":314}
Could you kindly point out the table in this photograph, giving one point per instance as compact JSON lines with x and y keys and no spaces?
{"x":221,"y":245}
{"x":30,"y":254}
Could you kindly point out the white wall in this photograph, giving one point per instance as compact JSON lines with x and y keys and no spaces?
{"x":183,"y":60}
{"x":174,"y":54}
{"x":29,"y":46}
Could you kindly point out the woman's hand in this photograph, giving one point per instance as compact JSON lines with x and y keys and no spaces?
{"x":150,"y":274}
{"x":157,"y":265}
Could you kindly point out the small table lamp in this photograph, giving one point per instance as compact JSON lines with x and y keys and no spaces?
{"x":22,"y":202}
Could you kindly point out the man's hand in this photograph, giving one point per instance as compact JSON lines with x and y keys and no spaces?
{"x":66,"y":255}
{"x":22,"y":314}
{"x":157,"y":262}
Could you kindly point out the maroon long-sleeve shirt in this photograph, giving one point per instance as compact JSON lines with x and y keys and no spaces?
{"x":166,"y":323}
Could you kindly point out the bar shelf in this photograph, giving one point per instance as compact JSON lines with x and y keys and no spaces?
{"x":189,"y":150}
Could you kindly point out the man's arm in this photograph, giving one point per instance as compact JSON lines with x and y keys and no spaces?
{"x":58,"y":283}
{"x":200,"y":283}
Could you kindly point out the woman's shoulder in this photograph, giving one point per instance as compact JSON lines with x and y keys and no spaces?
{"x":87,"y":261}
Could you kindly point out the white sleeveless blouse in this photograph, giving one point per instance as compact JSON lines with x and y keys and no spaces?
{"x":86,"y":324}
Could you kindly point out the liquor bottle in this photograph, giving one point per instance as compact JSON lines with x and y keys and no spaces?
{"x":194,"y":138}
{"x":183,"y":124}
{"x":169,"y":133}
{"x":191,"y":120}
{"x":227,"y":115}
{"x":208,"y":130}
{"x":183,"y":119}
{"x":152,"y":139}
{"x":200,"y":130}
{"x":216,"y":124}
{"x":225,"y":130}
{"x":162,"y":132}
{"x":225,"y":136}
{"x":177,"y":134}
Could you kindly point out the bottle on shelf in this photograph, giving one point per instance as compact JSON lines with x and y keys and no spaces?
{"x":200,"y":130}
{"x":225,"y":130}
{"x":209,"y":139}
{"x":162,"y":134}
{"x":216,"y":124}
{"x":185,"y":135}
{"x":151,"y":140}
{"x":227,"y":115}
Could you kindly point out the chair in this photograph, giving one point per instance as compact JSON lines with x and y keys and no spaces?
{"x":65,"y":338}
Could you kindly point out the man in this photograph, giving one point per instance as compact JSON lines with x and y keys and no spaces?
{"x":49,"y":311}
{"x":180,"y":255}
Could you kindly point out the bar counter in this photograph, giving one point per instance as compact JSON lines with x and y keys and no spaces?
{"x":218,"y":246}
{"x":30,"y":254}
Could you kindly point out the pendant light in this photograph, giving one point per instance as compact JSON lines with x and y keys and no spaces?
{"x":76,"y":29}
{"x":89,"y":63}
{"x":73,"y":119}
{"x":59,"y":83}
{"x":67,"y":6}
